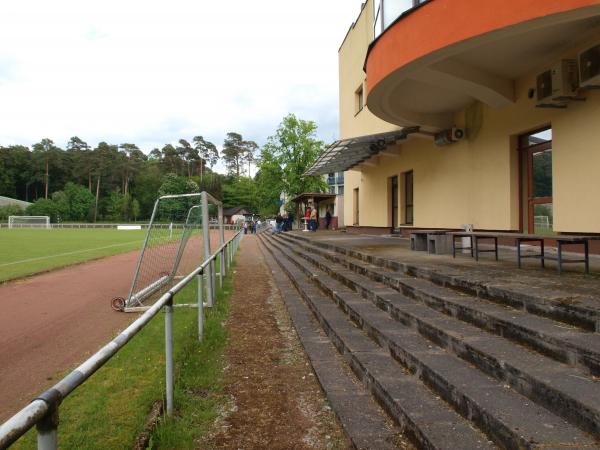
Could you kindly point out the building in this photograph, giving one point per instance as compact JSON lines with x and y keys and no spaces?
{"x":335,"y":181}
{"x":235,"y":215}
{"x":457,"y":112}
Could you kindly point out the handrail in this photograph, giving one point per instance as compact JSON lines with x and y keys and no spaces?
{"x":43,"y":410}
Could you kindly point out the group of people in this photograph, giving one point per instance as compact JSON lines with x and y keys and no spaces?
{"x":312,"y":218}
{"x":250,"y":226}
{"x":283,"y":223}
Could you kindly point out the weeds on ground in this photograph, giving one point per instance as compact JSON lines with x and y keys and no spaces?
{"x":111,"y":408}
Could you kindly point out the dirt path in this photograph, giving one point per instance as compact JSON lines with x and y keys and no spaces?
{"x":276,"y":402}
{"x":51,"y":322}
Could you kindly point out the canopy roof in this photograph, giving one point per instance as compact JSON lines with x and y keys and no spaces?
{"x":316,"y":196}
{"x":348,"y":153}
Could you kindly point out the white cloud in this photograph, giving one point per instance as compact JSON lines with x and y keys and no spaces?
{"x":152,"y":72}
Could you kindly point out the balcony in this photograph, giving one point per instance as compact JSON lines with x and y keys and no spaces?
{"x":330,"y":181}
{"x":434,"y":59}
{"x":388,"y":11}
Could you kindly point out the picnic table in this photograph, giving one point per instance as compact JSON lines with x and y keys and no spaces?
{"x":419,"y":239}
{"x":520,"y":238}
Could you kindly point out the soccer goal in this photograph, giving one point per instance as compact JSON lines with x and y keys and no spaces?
{"x":28,"y":222}
{"x":177,"y":241}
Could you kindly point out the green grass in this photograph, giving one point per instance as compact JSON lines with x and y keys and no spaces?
{"x":110,"y":409}
{"x":26,"y":251}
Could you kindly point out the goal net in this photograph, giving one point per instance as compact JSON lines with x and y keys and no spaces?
{"x":173,"y":246}
{"x":28,"y":222}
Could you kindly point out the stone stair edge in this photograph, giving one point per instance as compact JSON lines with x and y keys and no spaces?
{"x":515,"y":399}
{"x":353,"y":362}
{"x":585,"y":316}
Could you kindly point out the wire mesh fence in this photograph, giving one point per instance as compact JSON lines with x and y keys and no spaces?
{"x":172,"y":247}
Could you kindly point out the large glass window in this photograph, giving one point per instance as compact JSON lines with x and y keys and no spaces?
{"x":387,"y":11}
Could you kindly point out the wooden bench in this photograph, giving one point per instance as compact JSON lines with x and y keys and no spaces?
{"x":519,"y":238}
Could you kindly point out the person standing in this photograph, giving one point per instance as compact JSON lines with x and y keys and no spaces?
{"x":307,"y":218}
{"x":278,"y":223}
{"x":327,"y":219}
{"x":313,"y":219}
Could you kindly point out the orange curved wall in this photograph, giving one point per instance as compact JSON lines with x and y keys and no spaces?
{"x":445,"y":22}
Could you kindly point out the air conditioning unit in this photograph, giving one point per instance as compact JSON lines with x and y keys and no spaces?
{"x":449,"y":136}
{"x":589,"y":67}
{"x":558,"y":85}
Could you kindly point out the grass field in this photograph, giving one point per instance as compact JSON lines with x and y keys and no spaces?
{"x":27,"y":251}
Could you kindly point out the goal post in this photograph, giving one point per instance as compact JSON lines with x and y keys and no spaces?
{"x":28,"y":221}
{"x":177,"y":241}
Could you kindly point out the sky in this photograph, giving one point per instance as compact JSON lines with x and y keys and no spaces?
{"x":153,"y":72}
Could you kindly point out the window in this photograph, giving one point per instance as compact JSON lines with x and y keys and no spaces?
{"x":332,"y":189}
{"x":340,"y":190}
{"x":408,"y":198}
{"x":359,"y":99}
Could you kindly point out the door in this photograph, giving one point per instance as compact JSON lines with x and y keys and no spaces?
{"x":394,"y":201}
{"x":356,"y":215}
{"x":538,"y":169}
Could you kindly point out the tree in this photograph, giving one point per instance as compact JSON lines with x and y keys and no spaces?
{"x":43,"y":207}
{"x":81,"y":160}
{"x":240,"y":191}
{"x":80,"y":201}
{"x":135,"y":209}
{"x":235,"y":152}
{"x":207,"y":151}
{"x":105,"y":156}
{"x":189,"y":154}
{"x":288,"y":154}
{"x":132,"y":161}
{"x":45,"y":151}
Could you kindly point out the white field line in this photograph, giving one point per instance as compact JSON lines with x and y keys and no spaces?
{"x":65,"y":254}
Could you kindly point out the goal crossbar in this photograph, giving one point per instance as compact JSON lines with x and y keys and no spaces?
{"x":28,"y":221}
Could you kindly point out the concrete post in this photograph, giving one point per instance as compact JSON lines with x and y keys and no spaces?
{"x":200,"y":308}
{"x":169,"y":356}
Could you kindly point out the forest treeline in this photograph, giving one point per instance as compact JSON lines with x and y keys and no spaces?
{"x":119,"y":182}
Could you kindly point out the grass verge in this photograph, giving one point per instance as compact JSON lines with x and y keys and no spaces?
{"x":110,"y":410}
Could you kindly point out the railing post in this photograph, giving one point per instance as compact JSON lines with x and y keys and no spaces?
{"x":169,"y":355}
{"x":47,"y":429}
{"x":213,"y":266}
{"x":221,"y":272}
{"x":200,"y":308}
{"x":205,"y":223}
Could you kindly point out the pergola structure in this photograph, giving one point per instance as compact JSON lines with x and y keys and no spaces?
{"x":312,"y":199}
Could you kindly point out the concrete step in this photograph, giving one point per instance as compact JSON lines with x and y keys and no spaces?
{"x":563,"y":343}
{"x":365,"y":424}
{"x":421,"y":414}
{"x":509,"y":418}
{"x":558,"y":305}
{"x":565,"y":390}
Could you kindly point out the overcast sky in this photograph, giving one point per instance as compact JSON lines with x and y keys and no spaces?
{"x":152,"y":72}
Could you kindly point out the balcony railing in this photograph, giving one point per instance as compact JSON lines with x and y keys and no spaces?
{"x":387,"y":11}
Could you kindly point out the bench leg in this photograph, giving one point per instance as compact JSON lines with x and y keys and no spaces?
{"x":559,"y":257}
{"x":543,"y":254}
{"x":476,"y":248}
{"x":453,"y":246}
{"x":496,"y":247}
{"x":586,"y":251}
{"x":471,"y":246}
{"x":519,"y":253}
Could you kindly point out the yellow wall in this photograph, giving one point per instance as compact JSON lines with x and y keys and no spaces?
{"x":476,"y":180}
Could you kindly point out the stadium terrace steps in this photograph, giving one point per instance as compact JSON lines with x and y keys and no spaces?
{"x":364,"y":423}
{"x":562,"y":342}
{"x":431,"y":370}
{"x":554,"y":303}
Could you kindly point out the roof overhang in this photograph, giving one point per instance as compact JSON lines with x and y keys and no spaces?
{"x":347,"y":153}
{"x":316,"y":196}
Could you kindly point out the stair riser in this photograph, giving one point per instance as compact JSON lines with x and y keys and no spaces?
{"x":558,"y":350}
{"x":465,"y":406}
{"x":408,"y":427}
{"x":501,"y":370}
{"x":577,"y":316}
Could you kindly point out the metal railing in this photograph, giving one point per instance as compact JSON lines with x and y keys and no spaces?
{"x":43,"y":411}
{"x":111,"y":225}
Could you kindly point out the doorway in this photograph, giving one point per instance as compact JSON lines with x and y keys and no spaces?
{"x":356,"y":215}
{"x":394,"y":201}
{"x":536,"y":182}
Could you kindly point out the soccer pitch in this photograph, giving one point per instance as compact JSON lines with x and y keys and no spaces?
{"x":28,"y":251}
